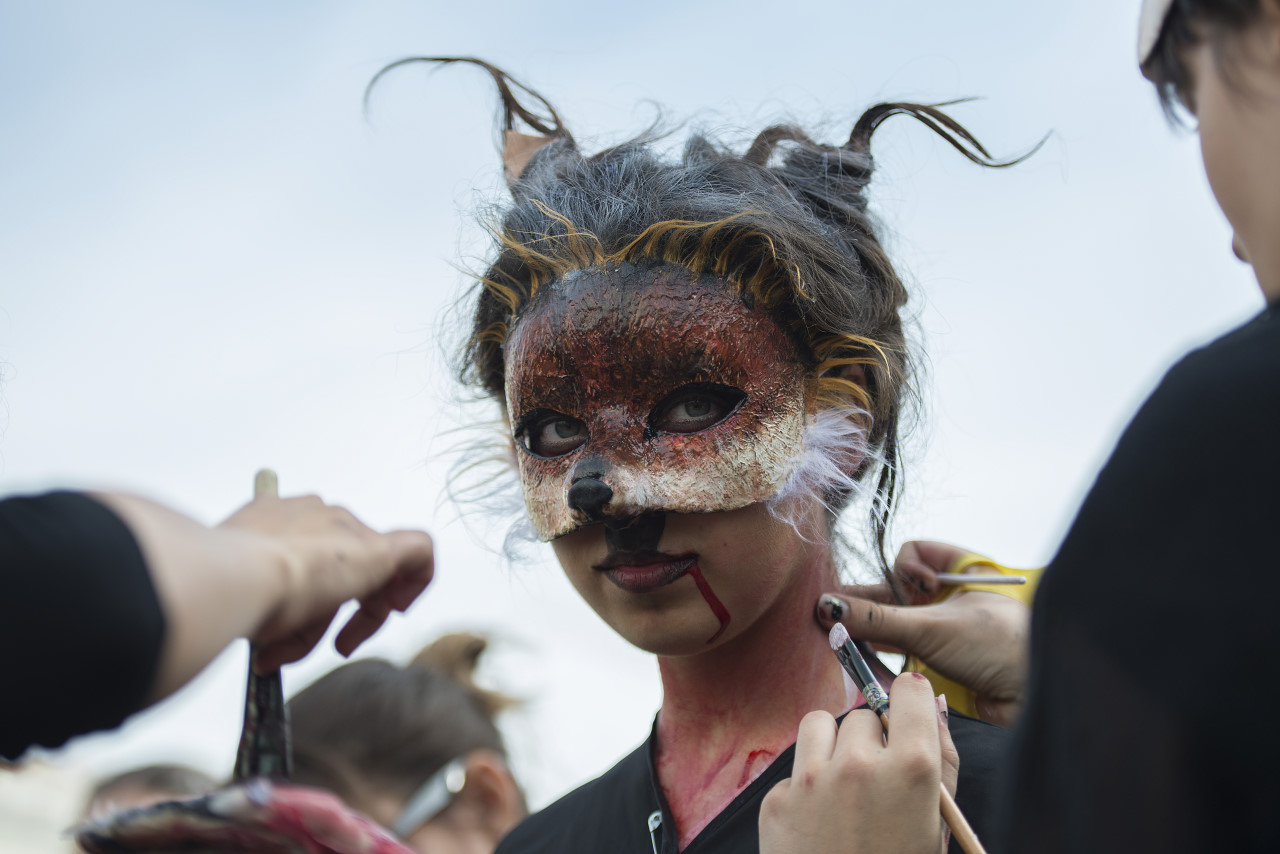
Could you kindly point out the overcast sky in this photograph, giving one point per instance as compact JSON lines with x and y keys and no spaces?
{"x":210,"y":261}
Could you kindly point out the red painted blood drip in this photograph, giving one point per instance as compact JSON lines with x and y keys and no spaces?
{"x":748,"y":768}
{"x":717,"y":607}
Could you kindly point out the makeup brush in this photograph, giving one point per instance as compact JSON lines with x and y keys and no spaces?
{"x":873,"y":692}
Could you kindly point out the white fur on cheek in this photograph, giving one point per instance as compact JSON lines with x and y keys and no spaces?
{"x":834,"y":449}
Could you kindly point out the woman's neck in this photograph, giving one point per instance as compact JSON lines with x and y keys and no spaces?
{"x":727,"y":713}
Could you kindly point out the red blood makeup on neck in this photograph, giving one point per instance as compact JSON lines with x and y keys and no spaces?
{"x":653,"y":391}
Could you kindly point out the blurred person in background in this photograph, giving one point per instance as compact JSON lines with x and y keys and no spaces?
{"x":415,"y":748}
{"x":142,"y":787}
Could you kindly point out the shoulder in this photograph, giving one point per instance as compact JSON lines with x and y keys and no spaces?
{"x":982,"y":746}
{"x":1212,"y":387}
{"x":607,"y":814}
{"x":1201,"y":448}
{"x":983,"y":749}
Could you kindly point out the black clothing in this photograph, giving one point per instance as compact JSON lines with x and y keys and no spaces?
{"x":80,"y":624}
{"x":624,"y":811}
{"x":1151,"y":715}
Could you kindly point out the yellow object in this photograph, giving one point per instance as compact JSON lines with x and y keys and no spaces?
{"x":959,"y":697}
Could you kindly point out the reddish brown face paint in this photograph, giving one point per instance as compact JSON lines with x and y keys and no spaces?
{"x":669,"y":390}
{"x":717,"y":607}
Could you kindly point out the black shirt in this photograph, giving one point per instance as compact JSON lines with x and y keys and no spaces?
{"x":80,"y":625}
{"x":1152,"y":721}
{"x":625,"y":812}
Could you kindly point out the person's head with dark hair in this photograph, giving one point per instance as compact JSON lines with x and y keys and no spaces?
{"x":1220,"y":60}
{"x":1172,"y":28}
{"x":700,"y":363}
{"x":781,"y":230}
{"x":413,"y":747}
{"x":145,"y":786}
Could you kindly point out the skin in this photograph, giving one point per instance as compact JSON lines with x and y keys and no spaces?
{"x":843,"y":778}
{"x":1239,"y":129}
{"x":976,"y":638}
{"x":274,"y":572}
{"x":485,"y":810}
{"x":735,"y":691}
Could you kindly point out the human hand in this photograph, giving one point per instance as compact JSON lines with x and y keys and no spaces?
{"x":850,"y":791}
{"x":326,"y":557}
{"x":975,"y":638}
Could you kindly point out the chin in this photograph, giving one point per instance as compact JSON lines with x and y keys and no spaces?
{"x":666,"y":634}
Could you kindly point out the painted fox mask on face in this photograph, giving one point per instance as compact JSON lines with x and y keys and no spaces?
{"x":634,"y":390}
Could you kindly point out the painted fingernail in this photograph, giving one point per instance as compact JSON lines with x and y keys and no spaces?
{"x":941,"y":701}
{"x":830,"y":608}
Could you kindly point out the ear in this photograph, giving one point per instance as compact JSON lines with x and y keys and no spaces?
{"x":854,"y":374}
{"x":517,"y":150}
{"x":491,"y":794}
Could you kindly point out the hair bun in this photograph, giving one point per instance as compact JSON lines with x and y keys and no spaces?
{"x":456,"y":656}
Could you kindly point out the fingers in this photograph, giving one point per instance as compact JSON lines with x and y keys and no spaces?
{"x":871,"y":621}
{"x":275,"y":654}
{"x":814,"y":743}
{"x":950,"y":756}
{"x":915,"y":713}
{"x":1000,"y":712}
{"x":413,"y":555}
{"x":860,"y":732}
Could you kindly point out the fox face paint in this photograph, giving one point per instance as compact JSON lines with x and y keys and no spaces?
{"x":639,"y":390}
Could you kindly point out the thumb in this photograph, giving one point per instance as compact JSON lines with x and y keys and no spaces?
{"x":871,"y":621}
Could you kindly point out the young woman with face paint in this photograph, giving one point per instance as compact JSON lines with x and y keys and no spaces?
{"x":701,"y":364}
{"x":1172,"y":744}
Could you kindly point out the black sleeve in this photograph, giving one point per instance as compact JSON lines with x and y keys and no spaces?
{"x":80,"y":624}
{"x":1151,"y":715}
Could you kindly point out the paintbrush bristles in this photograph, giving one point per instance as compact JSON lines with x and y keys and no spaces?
{"x":838,"y":637}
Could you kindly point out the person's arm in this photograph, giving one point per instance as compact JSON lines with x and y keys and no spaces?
{"x":110,"y":602}
{"x":975,"y":638}
{"x":275,"y":572}
{"x":851,"y":791}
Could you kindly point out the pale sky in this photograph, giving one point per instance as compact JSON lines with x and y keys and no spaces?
{"x":210,"y":261}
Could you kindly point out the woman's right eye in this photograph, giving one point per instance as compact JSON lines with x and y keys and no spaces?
{"x":552,"y":435}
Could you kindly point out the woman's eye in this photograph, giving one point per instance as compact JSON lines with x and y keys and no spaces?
{"x":552,"y":435}
{"x":694,"y":408}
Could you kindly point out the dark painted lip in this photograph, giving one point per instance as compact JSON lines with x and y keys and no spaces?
{"x":641,"y":572}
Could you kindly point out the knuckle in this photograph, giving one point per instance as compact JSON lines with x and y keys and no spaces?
{"x":917,"y":764}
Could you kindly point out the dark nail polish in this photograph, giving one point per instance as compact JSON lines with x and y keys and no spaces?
{"x":830,"y":608}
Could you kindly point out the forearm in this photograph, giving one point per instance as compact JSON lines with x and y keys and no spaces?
{"x":214,"y":584}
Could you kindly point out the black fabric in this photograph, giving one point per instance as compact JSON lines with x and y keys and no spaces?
{"x":1151,"y":717}
{"x":80,"y":624}
{"x":611,"y":813}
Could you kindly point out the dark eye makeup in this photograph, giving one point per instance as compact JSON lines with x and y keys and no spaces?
{"x":693,"y":408}
{"x":547,"y":433}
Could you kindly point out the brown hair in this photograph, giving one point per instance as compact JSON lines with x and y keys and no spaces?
{"x":1188,"y":24}
{"x":786,"y":222}
{"x":178,"y":781}
{"x":372,"y":728}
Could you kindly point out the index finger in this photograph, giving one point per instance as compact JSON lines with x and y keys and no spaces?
{"x":413,"y":556}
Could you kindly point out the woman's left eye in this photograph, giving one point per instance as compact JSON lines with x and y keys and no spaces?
{"x":697,"y":407}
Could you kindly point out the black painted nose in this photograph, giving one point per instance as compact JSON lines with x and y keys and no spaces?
{"x":588,"y":496}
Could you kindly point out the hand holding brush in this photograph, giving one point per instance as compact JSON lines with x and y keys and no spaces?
{"x":850,"y":791}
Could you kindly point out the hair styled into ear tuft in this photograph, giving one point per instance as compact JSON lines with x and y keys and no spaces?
{"x":542,"y":118}
{"x":786,"y":222}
